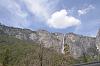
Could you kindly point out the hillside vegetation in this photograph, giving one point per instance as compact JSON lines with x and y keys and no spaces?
{"x":15,"y":52}
{"x":25,"y":52}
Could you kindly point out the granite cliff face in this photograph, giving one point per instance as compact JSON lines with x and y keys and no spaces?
{"x":49,"y":40}
{"x":98,"y":40}
{"x":78,"y":44}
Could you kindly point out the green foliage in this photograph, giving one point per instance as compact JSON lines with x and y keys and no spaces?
{"x":6,"y":57}
{"x":87,"y":59}
{"x":68,"y":58}
{"x":15,"y":52}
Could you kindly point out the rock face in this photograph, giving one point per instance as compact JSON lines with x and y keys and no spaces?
{"x":78,"y":44}
{"x":49,"y":40}
{"x":98,"y":40}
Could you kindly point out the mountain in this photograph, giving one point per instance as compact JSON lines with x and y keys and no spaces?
{"x":98,"y":40}
{"x":79,"y":45}
{"x":15,"y":52}
{"x":51,"y":40}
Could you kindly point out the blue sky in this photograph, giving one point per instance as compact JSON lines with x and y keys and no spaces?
{"x":78,"y":16}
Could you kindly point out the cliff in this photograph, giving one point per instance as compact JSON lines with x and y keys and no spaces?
{"x":78,"y":44}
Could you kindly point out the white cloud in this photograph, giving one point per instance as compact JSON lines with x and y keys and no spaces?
{"x":17,"y":17}
{"x":61,"y":20}
{"x":13,"y":7}
{"x":43,"y":9}
{"x":86,"y":10}
{"x":40,"y":8}
{"x":36,"y":7}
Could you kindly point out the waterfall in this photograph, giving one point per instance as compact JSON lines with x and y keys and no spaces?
{"x":63,"y":42}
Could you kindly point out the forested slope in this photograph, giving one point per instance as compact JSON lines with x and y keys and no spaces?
{"x":15,"y":52}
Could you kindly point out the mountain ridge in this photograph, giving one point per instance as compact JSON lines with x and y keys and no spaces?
{"x":56,"y":41}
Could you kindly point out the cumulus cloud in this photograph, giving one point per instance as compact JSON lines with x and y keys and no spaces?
{"x":44,"y":10}
{"x":61,"y":20}
{"x":85,"y":10}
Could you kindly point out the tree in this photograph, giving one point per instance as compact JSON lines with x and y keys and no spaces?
{"x":6,"y":57}
{"x":84,"y":59}
{"x":41,"y":53}
{"x":68,"y":56}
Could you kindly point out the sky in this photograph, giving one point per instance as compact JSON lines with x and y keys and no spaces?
{"x":78,"y":16}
